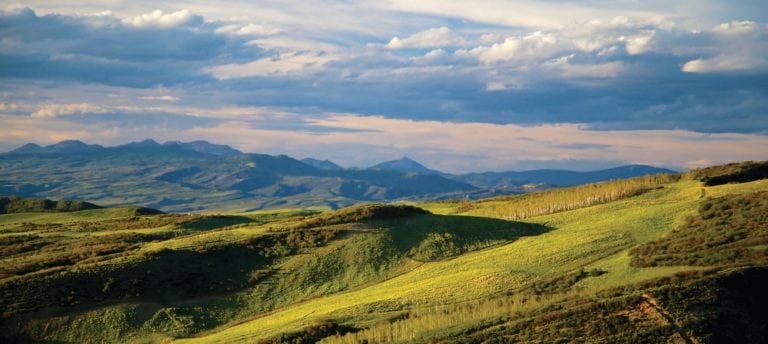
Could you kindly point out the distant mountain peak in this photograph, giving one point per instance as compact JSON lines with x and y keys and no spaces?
{"x":202,"y":146}
{"x":69,"y":142}
{"x":70,"y":146}
{"x":322,"y":164}
{"x":66,"y":146}
{"x":404,"y":164}
{"x":143,"y":143}
{"x":198,"y":146}
{"x":27,"y":149}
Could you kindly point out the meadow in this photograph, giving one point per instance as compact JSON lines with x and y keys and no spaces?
{"x":618,"y":261}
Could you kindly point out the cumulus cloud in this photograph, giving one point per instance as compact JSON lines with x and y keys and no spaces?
{"x":741,"y":46}
{"x":638,"y":44}
{"x":157,"y":18}
{"x":531,"y":46}
{"x":431,"y":38}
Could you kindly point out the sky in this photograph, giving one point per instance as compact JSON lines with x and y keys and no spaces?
{"x":461,"y":86}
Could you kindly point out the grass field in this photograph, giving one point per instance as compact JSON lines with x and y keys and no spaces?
{"x":371,"y":273}
{"x":593,"y":237}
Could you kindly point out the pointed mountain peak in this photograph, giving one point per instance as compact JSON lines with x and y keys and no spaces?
{"x":28,"y":148}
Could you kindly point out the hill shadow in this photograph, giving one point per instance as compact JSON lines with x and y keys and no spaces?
{"x":215,"y":221}
{"x":432,"y":237}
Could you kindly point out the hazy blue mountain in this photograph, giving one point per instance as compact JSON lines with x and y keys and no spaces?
{"x":404,"y":164}
{"x":178,"y":176}
{"x":205,"y":147}
{"x":148,"y":143}
{"x":322,"y":164}
{"x":67,"y":146}
{"x":28,"y":148}
{"x":186,"y":177}
{"x":556,"y":177}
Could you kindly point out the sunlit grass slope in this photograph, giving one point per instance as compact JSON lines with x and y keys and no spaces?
{"x":595,"y":237}
{"x":176,"y":275}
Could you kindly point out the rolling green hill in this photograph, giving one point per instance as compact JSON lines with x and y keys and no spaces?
{"x":653,"y":259}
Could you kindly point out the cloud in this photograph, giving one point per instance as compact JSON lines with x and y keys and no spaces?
{"x":9,"y":107}
{"x":525,"y":13}
{"x":54,"y":110}
{"x":431,"y":38}
{"x":740,"y":47}
{"x":625,"y":66}
{"x":638,"y":44}
{"x":248,"y":30}
{"x":157,"y":18}
{"x":736,"y":27}
{"x":352,"y":139}
{"x":289,"y":63}
{"x":149,"y":50}
{"x":536,"y":45}
{"x":720,"y":64}
{"x":495,"y":86}
{"x":566,"y":68}
{"x":166,"y":98}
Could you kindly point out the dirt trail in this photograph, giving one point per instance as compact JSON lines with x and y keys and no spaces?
{"x":651,"y":301}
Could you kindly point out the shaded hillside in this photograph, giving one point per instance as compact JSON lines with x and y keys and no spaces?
{"x":14,"y":204}
{"x":740,"y":172}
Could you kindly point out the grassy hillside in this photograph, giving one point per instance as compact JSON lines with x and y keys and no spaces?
{"x":662,"y":259}
{"x":10,"y":205}
{"x":552,"y":201}
{"x":211,"y":270}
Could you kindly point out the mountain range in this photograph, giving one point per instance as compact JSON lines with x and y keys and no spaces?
{"x":194,"y":176}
